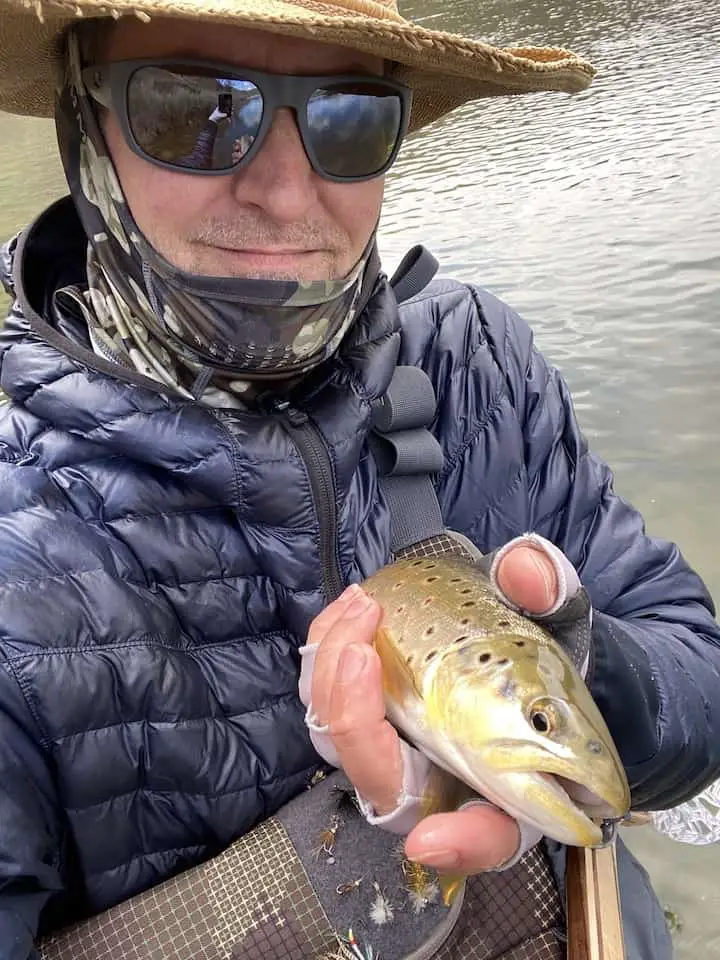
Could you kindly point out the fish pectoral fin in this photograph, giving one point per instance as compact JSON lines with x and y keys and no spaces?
{"x":450,"y":885}
{"x":443,"y":792}
{"x":398,"y":677}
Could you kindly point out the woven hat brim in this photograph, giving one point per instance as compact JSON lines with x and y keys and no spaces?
{"x":444,"y":70}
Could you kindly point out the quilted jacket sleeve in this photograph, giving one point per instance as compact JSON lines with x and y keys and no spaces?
{"x":656,"y":672}
{"x":29,"y":829}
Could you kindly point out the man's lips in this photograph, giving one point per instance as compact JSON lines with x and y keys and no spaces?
{"x":270,"y":259}
{"x":267,"y":251}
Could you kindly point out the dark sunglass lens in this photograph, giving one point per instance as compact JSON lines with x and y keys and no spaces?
{"x":193,"y":120}
{"x":354,"y":128}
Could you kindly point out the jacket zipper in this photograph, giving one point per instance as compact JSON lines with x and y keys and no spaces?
{"x":312,"y":449}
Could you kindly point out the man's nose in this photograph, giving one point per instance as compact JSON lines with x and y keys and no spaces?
{"x":279,"y":179}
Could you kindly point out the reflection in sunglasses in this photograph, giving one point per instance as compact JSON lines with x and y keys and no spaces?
{"x":202,"y":121}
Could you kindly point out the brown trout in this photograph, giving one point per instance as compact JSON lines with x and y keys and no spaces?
{"x":491,"y":698}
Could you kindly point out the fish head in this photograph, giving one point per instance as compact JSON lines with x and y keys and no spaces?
{"x":517,"y":723}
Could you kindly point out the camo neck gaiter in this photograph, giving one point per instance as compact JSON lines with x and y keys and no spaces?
{"x":214,"y":339}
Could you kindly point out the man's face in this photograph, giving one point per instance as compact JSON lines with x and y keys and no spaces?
{"x":275,"y":217}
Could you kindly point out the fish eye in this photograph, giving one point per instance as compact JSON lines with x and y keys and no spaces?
{"x":546,"y":716}
{"x":541,"y":721}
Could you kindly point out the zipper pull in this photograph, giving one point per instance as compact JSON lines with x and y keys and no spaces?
{"x":296,"y":417}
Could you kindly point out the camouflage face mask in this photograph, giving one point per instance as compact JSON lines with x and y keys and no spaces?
{"x":198,"y":334}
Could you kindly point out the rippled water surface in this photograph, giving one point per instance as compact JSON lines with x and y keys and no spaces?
{"x":597,"y":217}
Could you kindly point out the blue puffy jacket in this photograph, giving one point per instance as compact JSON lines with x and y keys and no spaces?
{"x":160,"y":563}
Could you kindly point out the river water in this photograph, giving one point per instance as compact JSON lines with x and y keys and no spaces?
{"x":597,"y":217}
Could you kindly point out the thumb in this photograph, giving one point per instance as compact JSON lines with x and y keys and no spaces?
{"x":528,"y":579}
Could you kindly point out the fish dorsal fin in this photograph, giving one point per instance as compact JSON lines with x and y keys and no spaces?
{"x":398,"y":677}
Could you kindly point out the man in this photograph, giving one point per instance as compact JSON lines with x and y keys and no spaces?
{"x":192,"y":363}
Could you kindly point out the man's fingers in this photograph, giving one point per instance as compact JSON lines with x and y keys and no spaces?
{"x":468,"y":841}
{"x":329,"y":616}
{"x":367,"y":745}
{"x":347,"y":695}
{"x":354,"y":620}
{"x":528,"y":579}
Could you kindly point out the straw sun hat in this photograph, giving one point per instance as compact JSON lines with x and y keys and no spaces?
{"x":443,"y":69}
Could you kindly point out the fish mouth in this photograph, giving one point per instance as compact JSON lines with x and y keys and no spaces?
{"x":562,"y":807}
{"x":571,"y":822}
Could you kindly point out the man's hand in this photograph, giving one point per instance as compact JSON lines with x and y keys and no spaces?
{"x":346,"y":695}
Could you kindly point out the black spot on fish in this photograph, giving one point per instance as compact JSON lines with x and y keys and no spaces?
{"x":484,"y":658}
{"x":466,"y":590}
{"x":416,"y":563}
{"x":429,"y":655}
{"x":427,"y":601}
{"x":518,"y":643}
{"x":456,"y":580}
{"x":464,"y":622}
{"x":460,"y":639}
{"x":468,"y":603}
{"x":400,"y":610}
{"x":504,"y":662}
{"x":430,"y":631}
{"x":503,"y":623}
{"x":594,"y":746}
{"x":400,"y":583}
{"x":431,"y":579}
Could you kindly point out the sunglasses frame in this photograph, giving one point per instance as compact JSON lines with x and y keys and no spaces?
{"x":108,"y":84}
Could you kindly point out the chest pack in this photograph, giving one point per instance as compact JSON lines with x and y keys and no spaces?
{"x":315,"y":881}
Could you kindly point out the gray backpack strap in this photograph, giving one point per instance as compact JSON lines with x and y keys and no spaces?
{"x":415,"y":271}
{"x":407,"y":455}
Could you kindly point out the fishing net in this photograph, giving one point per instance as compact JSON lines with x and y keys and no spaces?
{"x":696,"y":822}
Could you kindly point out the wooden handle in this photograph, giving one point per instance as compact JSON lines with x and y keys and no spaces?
{"x":594,"y":917}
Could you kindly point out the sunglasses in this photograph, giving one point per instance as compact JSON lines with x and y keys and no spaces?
{"x":210,"y":119}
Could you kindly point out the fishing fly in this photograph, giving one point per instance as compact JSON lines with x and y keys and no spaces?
{"x":381,"y":910}
{"x":422,"y":889}
{"x":328,"y":836}
{"x":346,"y":800}
{"x":342,"y":888}
{"x":358,"y":952}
